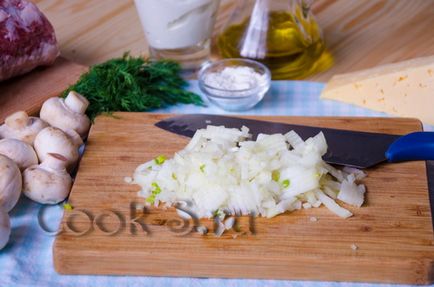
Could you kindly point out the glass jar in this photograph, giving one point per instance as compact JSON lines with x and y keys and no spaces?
{"x":282,"y":34}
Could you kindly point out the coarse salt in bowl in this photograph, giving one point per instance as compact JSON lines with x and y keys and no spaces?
{"x":235,"y":84}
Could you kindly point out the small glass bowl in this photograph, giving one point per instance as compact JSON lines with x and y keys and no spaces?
{"x":235,"y":100}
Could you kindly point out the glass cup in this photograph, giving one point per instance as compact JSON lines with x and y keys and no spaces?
{"x":179,"y":29}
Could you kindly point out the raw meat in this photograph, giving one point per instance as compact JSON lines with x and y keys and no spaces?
{"x":27,"y":39}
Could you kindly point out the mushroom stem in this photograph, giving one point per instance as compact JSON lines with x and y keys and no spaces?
{"x":76,"y":102}
{"x":55,"y":161}
{"x":17,"y":120}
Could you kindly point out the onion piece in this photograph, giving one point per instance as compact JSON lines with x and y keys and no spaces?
{"x":332,"y":205}
{"x":351,"y":193}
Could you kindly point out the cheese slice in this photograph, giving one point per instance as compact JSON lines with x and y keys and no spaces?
{"x":403,"y":89}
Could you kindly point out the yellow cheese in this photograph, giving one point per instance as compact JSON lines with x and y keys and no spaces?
{"x":403,"y":89}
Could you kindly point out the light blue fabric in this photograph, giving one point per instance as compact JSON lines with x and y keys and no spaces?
{"x":27,"y":259}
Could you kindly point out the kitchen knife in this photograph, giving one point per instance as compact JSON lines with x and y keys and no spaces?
{"x":350,"y":148}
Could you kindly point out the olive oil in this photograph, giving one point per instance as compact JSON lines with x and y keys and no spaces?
{"x":290,"y":45}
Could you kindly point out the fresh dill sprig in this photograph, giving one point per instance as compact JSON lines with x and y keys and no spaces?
{"x":133,"y":84}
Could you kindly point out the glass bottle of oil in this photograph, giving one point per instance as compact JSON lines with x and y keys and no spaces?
{"x":282,"y":34}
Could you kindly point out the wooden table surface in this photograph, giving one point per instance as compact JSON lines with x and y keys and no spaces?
{"x":360,"y":33}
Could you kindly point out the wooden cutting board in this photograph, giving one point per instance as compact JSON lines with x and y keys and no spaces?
{"x":393,"y":231}
{"x":28,"y":92}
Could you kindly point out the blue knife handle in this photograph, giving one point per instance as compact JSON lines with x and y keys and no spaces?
{"x":414,"y":146}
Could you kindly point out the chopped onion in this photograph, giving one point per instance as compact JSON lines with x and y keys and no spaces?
{"x":351,"y":193}
{"x":229,"y":223}
{"x":332,"y":205}
{"x":222,"y":170}
{"x":357,"y":173}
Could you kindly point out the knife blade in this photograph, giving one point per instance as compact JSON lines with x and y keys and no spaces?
{"x":350,"y":148}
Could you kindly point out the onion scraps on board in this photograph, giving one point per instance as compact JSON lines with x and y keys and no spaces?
{"x":222,"y":171}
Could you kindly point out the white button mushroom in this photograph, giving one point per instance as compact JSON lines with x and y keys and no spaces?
{"x":22,"y":127}
{"x":74,"y":137}
{"x":49,"y":182}
{"x":20,"y":152}
{"x":54,"y":140}
{"x":5,"y":228}
{"x":68,"y":113}
{"x":10,"y":183}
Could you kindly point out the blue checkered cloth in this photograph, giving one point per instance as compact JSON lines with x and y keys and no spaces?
{"x":27,"y":259}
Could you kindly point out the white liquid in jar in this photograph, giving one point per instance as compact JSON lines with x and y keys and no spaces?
{"x":177,"y":24}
